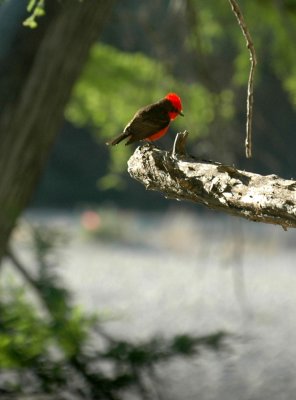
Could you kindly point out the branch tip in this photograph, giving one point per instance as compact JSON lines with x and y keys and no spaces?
{"x":179,"y":144}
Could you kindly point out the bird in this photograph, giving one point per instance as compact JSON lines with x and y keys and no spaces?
{"x":151,"y":122}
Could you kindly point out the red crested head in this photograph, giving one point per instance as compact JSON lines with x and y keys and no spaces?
{"x":176,"y":102}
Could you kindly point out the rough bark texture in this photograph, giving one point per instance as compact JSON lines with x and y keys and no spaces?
{"x":30,"y":118}
{"x":268,"y":199}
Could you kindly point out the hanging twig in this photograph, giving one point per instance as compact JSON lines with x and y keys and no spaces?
{"x":239,"y":16}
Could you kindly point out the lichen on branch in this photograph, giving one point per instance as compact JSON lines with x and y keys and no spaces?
{"x":269,"y":199}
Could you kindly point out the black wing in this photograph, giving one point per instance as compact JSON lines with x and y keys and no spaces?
{"x":147,"y":121}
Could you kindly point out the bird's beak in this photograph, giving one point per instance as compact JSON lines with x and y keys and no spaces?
{"x":181,"y":113}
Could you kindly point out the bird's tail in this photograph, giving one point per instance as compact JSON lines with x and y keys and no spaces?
{"x":118,"y":139}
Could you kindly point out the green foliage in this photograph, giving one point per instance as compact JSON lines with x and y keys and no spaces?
{"x":49,"y":346}
{"x":276,"y":40}
{"x":114,"y":84}
{"x":36,"y":10}
{"x":272,"y":27}
{"x":18,"y":346}
{"x":68,"y":324}
{"x":158,"y":349}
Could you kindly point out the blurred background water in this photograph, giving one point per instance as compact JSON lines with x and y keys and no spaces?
{"x":179,"y":272}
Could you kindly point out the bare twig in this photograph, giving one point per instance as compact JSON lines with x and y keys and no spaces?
{"x":250,"y":99}
{"x":179,"y":144}
{"x":22,"y":270}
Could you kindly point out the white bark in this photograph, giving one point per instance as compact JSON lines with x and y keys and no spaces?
{"x":269,"y":199}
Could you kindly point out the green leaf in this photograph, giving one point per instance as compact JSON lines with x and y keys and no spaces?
{"x":31,"y":5}
{"x":36,"y":8}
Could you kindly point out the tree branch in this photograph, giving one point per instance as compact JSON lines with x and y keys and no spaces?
{"x":267,"y":199}
{"x":253,"y":59}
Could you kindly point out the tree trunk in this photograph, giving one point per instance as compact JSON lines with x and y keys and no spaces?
{"x":268,"y":199}
{"x":34,"y":92}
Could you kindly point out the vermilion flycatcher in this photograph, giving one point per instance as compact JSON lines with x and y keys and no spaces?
{"x":151,"y":122}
